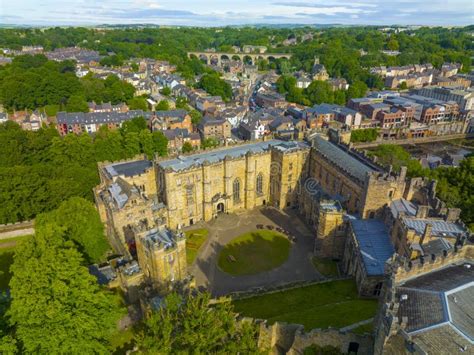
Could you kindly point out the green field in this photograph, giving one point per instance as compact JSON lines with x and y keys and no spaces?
{"x":254,"y":252}
{"x":330,"y":304}
{"x":326,"y":267}
{"x":194,"y":240}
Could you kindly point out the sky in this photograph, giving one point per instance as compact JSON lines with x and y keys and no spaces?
{"x":237,"y":12}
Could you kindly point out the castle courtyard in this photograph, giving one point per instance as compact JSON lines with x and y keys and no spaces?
{"x":226,"y":227}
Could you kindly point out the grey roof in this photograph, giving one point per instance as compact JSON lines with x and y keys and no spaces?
{"x":440,"y":227}
{"x":461,"y":310}
{"x":439,"y":298}
{"x":322,"y":109}
{"x":131,"y":168}
{"x":444,"y":279}
{"x":171,"y":134}
{"x":71,"y":118}
{"x":422,"y":308}
{"x":375,"y":244}
{"x":404,"y":206}
{"x":159,"y":238}
{"x":342,"y":159}
{"x":172,"y":113}
{"x":118,"y":195}
{"x":435,"y":246}
{"x":185,"y":162}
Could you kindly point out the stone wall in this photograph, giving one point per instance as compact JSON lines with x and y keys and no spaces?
{"x":282,"y":338}
{"x":430,"y":139}
{"x":12,"y":230}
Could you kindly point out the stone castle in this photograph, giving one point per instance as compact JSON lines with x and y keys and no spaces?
{"x":138,"y":199}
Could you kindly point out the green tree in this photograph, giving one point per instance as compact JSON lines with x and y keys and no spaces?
{"x":136,"y":125}
{"x":209,"y":143}
{"x":357,"y":89}
{"x":187,"y":147}
{"x":57,"y":306}
{"x":166,"y":91}
{"x":163,"y":105}
{"x":160,"y":143}
{"x":188,"y":324}
{"x":77,"y":103}
{"x":403,"y":86}
{"x":214,"y":85}
{"x":196,"y":117}
{"x":81,"y":224}
{"x":181,"y":102}
{"x":319,"y":92}
{"x":138,"y":103}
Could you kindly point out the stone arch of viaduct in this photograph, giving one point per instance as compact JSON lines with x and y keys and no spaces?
{"x":220,"y":56}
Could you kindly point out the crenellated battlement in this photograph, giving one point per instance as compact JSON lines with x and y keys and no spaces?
{"x":401,"y":269}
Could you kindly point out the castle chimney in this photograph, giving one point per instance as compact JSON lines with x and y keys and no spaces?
{"x":426,"y":233}
{"x":452,"y":215}
{"x":422,"y":211}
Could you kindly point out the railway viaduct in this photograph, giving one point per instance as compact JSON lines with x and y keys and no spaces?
{"x":218,"y":57}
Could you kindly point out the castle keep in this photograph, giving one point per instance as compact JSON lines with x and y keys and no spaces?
{"x":142,"y":202}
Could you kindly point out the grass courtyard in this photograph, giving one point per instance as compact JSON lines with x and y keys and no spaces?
{"x":254,"y":252}
{"x":326,"y":267}
{"x":330,"y":304}
{"x":194,"y":240}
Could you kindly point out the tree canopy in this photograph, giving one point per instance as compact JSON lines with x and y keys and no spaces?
{"x":215,"y":86}
{"x":189,"y":324}
{"x":39,"y":170}
{"x":56,"y":305}
{"x":31,"y":82}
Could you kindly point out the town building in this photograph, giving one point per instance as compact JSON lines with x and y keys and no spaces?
{"x":170,"y":120}
{"x":216,"y":128}
{"x":90,"y":122}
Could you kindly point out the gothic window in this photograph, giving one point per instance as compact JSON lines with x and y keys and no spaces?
{"x":236,"y":190}
{"x":190,"y":194}
{"x":260,"y":184}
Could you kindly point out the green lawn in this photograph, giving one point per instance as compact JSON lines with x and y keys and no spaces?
{"x":194,"y":240}
{"x":254,"y":252}
{"x":15,"y":239}
{"x":326,"y":267}
{"x":122,"y":341}
{"x":365,"y":328}
{"x":331,"y":304}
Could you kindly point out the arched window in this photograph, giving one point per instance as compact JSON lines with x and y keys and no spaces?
{"x":236,"y":190}
{"x":260,"y":184}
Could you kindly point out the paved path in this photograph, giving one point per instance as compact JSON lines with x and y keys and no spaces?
{"x":358,"y":324}
{"x":222,"y":230}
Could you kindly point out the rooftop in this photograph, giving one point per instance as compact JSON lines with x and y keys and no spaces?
{"x":214,"y":156}
{"x":128,"y":169}
{"x":440,"y":227}
{"x":374,"y":242}
{"x":343,"y":159}
{"x":437,"y":300}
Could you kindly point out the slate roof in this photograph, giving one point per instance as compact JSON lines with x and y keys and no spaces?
{"x":439,"y":227}
{"x":131,"y":168}
{"x":422,"y":308}
{"x":159,"y":238}
{"x":444,"y":279}
{"x":440,"y":303}
{"x":181,"y":114}
{"x":342,"y":159}
{"x":402,"y":205}
{"x":374,"y":243}
{"x":185,"y":162}
{"x":80,"y":118}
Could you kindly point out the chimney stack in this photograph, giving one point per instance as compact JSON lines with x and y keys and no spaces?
{"x":426,"y":233}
